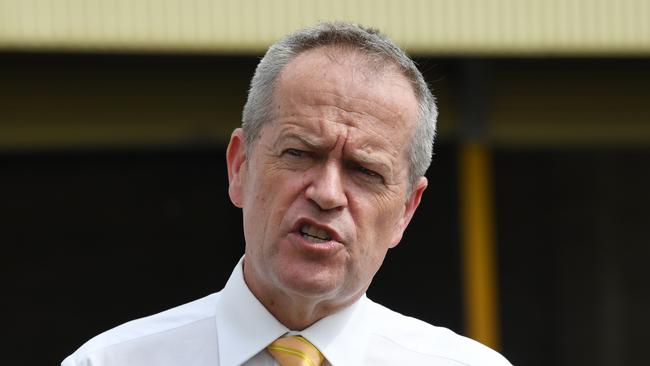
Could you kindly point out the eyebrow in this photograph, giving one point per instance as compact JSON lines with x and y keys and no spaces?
{"x":309,"y":142}
{"x":373,"y":160}
{"x":359,"y":156}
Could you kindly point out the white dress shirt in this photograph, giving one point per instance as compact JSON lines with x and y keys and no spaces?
{"x":232,"y":327}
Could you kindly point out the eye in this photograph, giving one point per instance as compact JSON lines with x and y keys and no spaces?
{"x":370,"y":174}
{"x":294,"y":152}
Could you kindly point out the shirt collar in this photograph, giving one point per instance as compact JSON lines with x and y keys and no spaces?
{"x":342,"y":337}
{"x":245,"y":327}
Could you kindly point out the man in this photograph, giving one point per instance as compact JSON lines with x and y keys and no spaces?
{"x":328,"y":169}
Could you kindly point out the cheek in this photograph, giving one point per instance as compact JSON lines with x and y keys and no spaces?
{"x":271,"y":194}
{"x":376,"y":218}
{"x":386,"y":210}
{"x":256,"y":199}
{"x":262,"y":194}
{"x":259,"y":186}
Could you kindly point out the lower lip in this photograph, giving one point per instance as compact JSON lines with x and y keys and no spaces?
{"x":326,"y":248}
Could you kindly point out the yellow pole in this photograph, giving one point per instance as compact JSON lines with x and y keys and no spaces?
{"x":478,"y":249}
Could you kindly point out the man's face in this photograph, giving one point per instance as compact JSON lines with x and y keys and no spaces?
{"x":324,"y":191}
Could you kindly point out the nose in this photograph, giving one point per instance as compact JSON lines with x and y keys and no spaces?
{"x":326,"y":187}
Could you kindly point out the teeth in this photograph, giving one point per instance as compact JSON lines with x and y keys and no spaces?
{"x":314,"y":234}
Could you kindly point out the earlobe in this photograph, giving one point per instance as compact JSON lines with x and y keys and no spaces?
{"x":410,"y":206}
{"x":236,"y":160}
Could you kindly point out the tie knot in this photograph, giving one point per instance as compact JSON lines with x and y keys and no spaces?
{"x":295,"y":351}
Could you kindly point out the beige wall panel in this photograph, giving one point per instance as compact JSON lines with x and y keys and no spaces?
{"x":494,"y":27}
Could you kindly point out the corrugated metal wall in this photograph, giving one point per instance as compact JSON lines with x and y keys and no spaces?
{"x":515,"y":27}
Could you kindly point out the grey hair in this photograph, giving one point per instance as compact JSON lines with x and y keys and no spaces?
{"x":258,"y":107}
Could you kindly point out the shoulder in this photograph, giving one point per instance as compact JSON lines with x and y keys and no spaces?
{"x":407,"y":335}
{"x":158,"y":328}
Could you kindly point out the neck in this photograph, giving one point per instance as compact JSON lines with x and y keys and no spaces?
{"x":296,"y":311}
{"x":297,"y":315}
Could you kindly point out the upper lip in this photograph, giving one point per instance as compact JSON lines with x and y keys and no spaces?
{"x":333,"y":234}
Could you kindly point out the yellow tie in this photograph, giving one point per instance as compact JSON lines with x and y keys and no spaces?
{"x":295,"y":351}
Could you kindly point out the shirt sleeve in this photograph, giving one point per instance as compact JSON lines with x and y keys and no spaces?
{"x":70,"y":361}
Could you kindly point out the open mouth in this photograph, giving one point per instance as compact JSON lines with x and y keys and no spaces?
{"x":314,"y":234}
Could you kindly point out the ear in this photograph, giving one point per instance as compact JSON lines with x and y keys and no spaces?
{"x":410,"y":206}
{"x":236,"y":160}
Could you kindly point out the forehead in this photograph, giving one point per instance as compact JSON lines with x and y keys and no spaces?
{"x":343,"y":86}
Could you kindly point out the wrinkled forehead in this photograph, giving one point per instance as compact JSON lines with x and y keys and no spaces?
{"x":374,"y":62}
{"x":347,"y":80}
{"x":326,"y":93}
{"x":360,"y":66}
